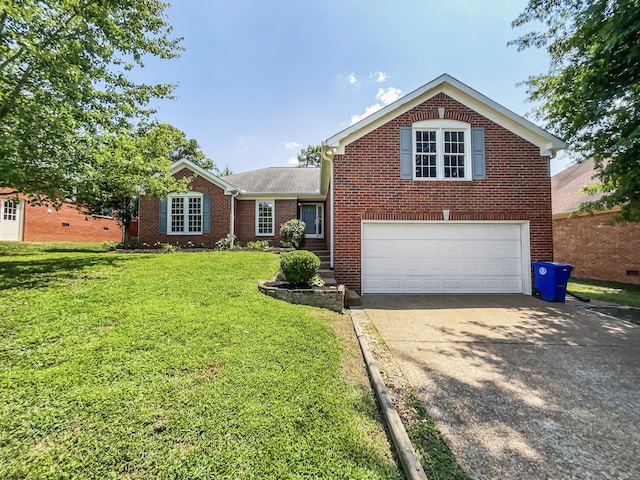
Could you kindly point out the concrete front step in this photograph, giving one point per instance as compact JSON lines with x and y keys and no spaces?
{"x":352,"y":299}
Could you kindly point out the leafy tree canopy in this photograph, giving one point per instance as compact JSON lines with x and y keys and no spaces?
{"x":126,"y":165}
{"x":310,"y":156}
{"x":63,"y":81}
{"x":590,"y":95}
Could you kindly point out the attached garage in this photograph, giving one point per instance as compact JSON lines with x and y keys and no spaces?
{"x":445,"y":257}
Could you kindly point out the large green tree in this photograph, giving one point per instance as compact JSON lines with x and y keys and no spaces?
{"x":590,"y":96}
{"x":65,"y":79}
{"x":124,"y":166}
{"x":310,"y":156}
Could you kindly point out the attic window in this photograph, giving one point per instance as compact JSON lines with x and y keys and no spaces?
{"x":441,"y":150}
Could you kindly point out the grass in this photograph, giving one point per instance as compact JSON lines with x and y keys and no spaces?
{"x":436,"y":458}
{"x":618,"y":293}
{"x":173,"y":366}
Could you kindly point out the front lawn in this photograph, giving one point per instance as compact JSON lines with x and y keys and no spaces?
{"x":133,"y":366}
{"x":619,"y":293}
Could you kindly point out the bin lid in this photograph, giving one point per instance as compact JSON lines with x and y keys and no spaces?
{"x":552,"y":264}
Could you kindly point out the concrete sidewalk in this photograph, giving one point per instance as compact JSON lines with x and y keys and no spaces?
{"x":521,"y":388}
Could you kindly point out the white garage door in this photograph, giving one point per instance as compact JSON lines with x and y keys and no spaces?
{"x":445,"y":257}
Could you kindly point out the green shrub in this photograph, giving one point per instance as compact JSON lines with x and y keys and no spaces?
{"x":259,"y":245}
{"x":133,"y":243}
{"x":109,"y":245}
{"x":226,"y":243}
{"x":292,"y":232}
{"x":299,"y":267}
{"x":168,"y":248}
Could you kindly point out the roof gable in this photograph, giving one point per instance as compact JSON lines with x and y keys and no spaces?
{"x":566,"y":187}
{"x":549,"y":144}
{"x":201,"y":172}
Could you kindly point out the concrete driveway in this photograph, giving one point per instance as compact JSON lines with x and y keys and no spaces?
{"x":521,"y":388}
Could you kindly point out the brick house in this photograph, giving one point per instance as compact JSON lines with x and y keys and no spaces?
{"x":442,"y":191}
{"x":250,"y":205}
{"x":597,"y":247}
{"x":22,"y":222}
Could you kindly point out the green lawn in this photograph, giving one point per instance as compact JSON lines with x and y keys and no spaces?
{"x":133,"y":366}
{"x":620,"y":293}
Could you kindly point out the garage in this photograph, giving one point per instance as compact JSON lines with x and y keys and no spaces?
{"x":445,"y":257}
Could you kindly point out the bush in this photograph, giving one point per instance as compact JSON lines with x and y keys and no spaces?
{"x":133,"y":243}
{"x":293,"y":232}
{"x":226,"y":243}
{"x":168,"y":248}
{"x":259,"y":245}
{"x":299,"y":267}
{"x":109,"y":245}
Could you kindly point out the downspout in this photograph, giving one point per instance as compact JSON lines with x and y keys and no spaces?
{"x":331,"y":219}
{"x":233,"y":217}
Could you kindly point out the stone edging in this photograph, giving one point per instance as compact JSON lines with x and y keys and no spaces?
{"x":408,"y":456}
{"x":331,"y":298}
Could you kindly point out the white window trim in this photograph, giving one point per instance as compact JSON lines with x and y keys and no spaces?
{"x":273,"y":217}
{"x":440,"y":125}
{"x":185,"y":213}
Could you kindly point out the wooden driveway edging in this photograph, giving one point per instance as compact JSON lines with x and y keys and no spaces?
{"x":408,"y":456}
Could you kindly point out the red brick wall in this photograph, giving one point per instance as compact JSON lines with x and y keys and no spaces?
{"x":46,"y":224}
{"x":245,"y":213}
{"x":597,"y":251}
{"x":148,"y":215}
{"x":367,"y":185}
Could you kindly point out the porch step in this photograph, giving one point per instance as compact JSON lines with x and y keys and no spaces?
{"x":352,"y":299}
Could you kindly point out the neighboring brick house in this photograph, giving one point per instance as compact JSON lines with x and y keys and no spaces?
{"x":443,"y":191}
{"x":597,"y":247}
{"x":21,"y":221}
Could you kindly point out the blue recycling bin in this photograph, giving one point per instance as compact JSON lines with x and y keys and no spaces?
{"x":550,"y":280}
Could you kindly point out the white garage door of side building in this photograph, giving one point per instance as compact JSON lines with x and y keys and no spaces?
{"x":445,"y":257}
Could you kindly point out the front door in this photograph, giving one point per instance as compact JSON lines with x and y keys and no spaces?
{"x":312,"y":216}
{"x":10,"y":219}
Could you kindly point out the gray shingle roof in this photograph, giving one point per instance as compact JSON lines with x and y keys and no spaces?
{"x":566,"y":187}
{"x":277,"y":180}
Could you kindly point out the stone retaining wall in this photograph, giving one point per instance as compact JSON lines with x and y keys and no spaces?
{"x":331,"y":298}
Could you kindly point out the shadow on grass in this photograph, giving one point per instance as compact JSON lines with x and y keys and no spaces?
{"x":38,"y":273}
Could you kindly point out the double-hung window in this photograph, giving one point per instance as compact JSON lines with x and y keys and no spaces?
{"x":265,"y":216}
{"x":441,"y":150}
{"x":185,"y":214}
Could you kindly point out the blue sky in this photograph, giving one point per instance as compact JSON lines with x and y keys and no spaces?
{"x":261,"y":79}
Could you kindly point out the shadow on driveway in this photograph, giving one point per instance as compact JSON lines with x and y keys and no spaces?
{"x":521,"y":388}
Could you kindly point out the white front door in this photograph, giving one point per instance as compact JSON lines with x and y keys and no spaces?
{"x":312,"y":216}
{"x":11,"y":219}
{"x":445,"y":257}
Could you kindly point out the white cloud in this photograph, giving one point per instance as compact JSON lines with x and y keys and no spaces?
{"x":292,"y":145}
{"x":352,"y":79}
{"x":388,"y":95}
{"x":293,"y":161}
{"x":379,"y":77}
{"x":367,"y":111}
